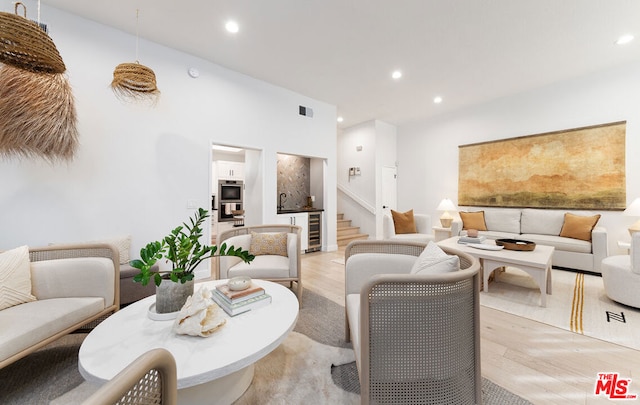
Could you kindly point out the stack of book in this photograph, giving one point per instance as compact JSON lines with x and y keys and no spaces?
{"x":470,"y":239}
{"x":237,"y":302}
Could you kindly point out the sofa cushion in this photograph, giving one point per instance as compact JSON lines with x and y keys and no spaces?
{"x":473,"y":220}
{"x":403,"y":222}
{"x":434,"y":260}
{"x":268,"y":243}
{"x":503,"y":220}
{"x":543,"y":222}
{"x":15,"y":277}
{"x":559,"y":242}
{"x":578,"y":227}
{"x":45,"y":319}
{"x":265,"y":266}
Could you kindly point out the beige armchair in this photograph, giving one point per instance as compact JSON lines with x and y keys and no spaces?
{"x":150,"y":379}
{"x":423,"y":226}
{"x":416,"y":336}
{"x":272,"y":267}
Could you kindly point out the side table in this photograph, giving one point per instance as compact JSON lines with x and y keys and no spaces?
{"x":441,"y":233}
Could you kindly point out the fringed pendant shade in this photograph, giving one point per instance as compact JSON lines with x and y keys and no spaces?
{"x":37,"y":111}
{"x":25,"y":45}
{"x":37,"y":115}
{"x":133,"y":81}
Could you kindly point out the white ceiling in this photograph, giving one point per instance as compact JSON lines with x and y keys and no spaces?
{"x":343,"y":51}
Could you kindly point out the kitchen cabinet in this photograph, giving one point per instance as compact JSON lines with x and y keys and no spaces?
{"x":230,"y":170}
{"x":301,"y":219}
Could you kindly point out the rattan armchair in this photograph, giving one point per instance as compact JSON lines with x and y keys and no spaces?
{"x":266,"y":267}
{"x":416,"y":337}
{"x":150,"y":379}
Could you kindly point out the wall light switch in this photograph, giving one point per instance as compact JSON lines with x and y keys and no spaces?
{"x":352,"y":171}
{"x":357,"y":171}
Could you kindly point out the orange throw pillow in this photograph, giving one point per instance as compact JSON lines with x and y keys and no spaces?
{"x":403,"y":222}
{"x":473,"y":220}
{"x":578,"y":227}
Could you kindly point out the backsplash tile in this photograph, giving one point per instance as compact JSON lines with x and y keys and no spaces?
{"x":293,"y":180}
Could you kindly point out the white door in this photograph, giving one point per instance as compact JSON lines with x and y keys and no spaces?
{"x":389,"y":200}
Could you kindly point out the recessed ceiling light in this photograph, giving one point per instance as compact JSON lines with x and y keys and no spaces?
{"x":396,"y":74}
{"x":437,"y":100}
{"x":340,"y":119}
{"x":232,"y":26}
{"x":625,"y":39}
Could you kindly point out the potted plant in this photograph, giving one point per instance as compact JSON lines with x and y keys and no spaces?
{"x":183,"y":249}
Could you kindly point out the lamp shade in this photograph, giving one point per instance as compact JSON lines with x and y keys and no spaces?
{"x":633,"y":210}
{"x":447,"y":205}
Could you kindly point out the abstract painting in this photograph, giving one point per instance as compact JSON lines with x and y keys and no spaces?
{"x":581,"y":168}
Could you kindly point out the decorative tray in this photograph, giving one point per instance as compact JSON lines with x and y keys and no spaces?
{"x":516,"y":244}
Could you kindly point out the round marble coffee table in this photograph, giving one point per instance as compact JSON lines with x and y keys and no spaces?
{"x":212,"y":370}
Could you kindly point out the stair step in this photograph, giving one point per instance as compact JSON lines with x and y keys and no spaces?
{"x":344,"y":240}
{"x":344,"y":223}
{"x":348,"y":230}
{"x":340,"y":216}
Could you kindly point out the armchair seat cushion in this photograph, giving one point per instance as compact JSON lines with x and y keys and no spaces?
{"x":265,"y":266}
{"x":353,"y":317}
{"x":24,"y":325}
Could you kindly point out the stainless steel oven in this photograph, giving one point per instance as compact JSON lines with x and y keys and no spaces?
{"x":230,"y":197}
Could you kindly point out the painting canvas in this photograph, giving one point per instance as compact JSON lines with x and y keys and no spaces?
{"x":582,"y":168}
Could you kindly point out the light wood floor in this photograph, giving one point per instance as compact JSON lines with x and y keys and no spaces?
{"x":541,"y":363}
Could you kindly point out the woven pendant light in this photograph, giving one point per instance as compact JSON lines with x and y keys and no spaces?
{"x":134,"y":81}
{"x":25,"y":45}
{"x":37,"y":111}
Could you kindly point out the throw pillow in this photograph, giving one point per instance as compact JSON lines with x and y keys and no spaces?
{"x":15,"y":277}
{"x":268,"y":243}
{"x":473,"y":220}
{"x":434,"y":260}
{"x":403,"y":222}
{"x":578,"y":227}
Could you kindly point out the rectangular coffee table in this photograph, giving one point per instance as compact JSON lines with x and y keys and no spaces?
{"x":536,"y":263}
{"x":211,"y":370}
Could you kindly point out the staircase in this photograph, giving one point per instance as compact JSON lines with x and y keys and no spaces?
{"x":347,"y":233}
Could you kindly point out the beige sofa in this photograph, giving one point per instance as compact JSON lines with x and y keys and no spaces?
{"x":543,"y":227}
{"x":423,"y":227}
{"x":73,"y":284}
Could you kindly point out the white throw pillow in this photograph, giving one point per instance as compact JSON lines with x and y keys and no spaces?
{"x":15,"y":277}
{"x":434,"y":260}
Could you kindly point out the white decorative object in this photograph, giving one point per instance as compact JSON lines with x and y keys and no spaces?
{"x":446,"y":205}
{"x":633,"y":210}
{"x":239,"y":283}
{"x":199,"y":316}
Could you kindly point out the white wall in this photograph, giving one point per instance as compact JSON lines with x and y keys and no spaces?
{"x":428,"y":151}
{"x":137,"y":166}
{"x":377,"y":140}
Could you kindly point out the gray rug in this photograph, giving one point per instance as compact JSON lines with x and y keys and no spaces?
{"x":52,"y":371}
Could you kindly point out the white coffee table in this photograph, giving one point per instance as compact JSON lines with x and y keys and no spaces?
{"x":212,"y":370}
{"x":536,"y":263}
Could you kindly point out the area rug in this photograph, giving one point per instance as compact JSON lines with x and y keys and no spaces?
{"x":314,"y":365}
{"x":578,"y":303}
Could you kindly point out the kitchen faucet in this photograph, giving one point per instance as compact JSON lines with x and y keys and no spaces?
{"x":281,"y":203}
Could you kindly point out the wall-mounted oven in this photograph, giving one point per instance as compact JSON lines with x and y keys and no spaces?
{"x":230,"y":197}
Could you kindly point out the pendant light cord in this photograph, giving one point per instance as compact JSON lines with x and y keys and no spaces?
{"x":137,"y":34}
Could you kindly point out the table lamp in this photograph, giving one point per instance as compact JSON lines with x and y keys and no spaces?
{"x":633,"y":210}
{"x":446,"y":205}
